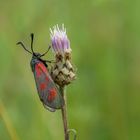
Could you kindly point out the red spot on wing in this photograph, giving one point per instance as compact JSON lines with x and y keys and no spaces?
{"x":47,"y":78}
{"x":38,"y":70}
{"x":42,"y":86}
{"x":42,"y":67}
{"x":52,"y":94}
{"x":41,"y":71}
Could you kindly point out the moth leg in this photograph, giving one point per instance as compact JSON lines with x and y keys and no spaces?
{"x":49,"y":61}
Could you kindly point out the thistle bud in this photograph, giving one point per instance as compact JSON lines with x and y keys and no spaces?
{"x":62,"y":72}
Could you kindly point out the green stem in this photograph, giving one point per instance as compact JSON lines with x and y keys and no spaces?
{"x":64,"y":114}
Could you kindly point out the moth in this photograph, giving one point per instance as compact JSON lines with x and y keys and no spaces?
{"x":47,"y":90}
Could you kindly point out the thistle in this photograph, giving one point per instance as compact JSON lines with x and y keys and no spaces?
{"x":62,"y":72}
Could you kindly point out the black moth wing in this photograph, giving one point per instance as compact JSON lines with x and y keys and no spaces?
{"x":47,"y":90}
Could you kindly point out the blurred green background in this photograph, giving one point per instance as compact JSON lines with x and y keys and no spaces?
{"x":104,"y":101}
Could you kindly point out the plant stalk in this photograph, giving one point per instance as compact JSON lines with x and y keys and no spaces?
{"x":64,"y":114}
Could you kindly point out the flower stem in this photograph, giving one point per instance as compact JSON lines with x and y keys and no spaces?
{"x":64,"y":114}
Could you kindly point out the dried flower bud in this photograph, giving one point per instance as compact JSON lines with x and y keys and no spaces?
{"x":62,"y":72}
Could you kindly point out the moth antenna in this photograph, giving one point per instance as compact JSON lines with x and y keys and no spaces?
{"x":32,"y":38}
{"x":20,"y":43}
{"x":46,"y":51}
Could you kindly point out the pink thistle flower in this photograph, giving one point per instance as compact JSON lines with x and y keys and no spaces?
{"x":62,"y":71}
{"x":59,"y":40}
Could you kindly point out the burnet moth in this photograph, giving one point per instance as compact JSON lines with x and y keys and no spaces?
{"x":47,"y":90}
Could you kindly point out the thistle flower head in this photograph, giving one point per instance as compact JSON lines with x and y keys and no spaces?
{"x":62,"y":72}
{"x":59,"y":39}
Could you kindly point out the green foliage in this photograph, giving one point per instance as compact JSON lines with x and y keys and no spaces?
{"x":103,"y":103}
